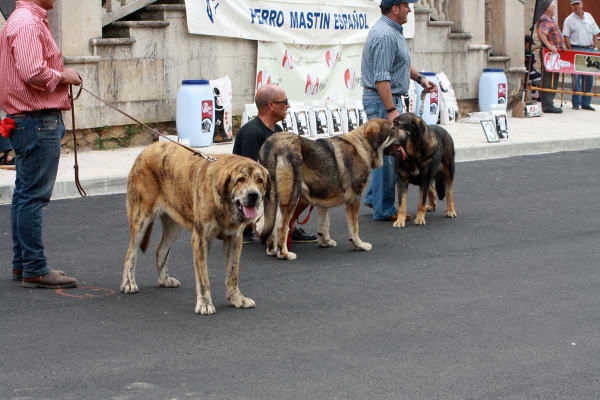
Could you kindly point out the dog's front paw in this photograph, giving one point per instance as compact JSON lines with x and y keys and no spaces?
{"x":205,"y":308}
{"x":362,"y":246}
{"x":431,"y":207}
{"x":240,"y":301}
{"x":327,"y":243}
{"x":129,"y":287}
{"x":419,"y":220}
{"x":400,"y":223}
{"x":169,"y":283}
{"x":287,"y":256}
{"x":450,"y":214}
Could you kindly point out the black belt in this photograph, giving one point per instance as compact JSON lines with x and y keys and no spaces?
{"x":38,"y":113}
{"x":368,"y":89}
{"x":583,"y":47}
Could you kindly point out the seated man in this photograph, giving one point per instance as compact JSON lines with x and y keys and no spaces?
{"x":272,"y":105}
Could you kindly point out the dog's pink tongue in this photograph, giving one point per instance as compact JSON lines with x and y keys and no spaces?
{"x":402,"y":153}
{"x":249,"y":212}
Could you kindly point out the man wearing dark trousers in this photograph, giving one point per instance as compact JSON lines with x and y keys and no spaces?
{"x":552,"y":39}
{"x":33,"y":92}
{"x":272,"y":105}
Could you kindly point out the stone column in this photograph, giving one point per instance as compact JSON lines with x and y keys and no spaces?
{"x":73,"y":23}
{"x":468,"y":16}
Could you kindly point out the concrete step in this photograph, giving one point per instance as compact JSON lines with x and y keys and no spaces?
{"x":123,"y":29}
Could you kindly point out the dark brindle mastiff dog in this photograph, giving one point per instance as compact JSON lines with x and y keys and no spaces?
{"x":326,"y":173}
{"x":429,"y":156}
{"x":211,"y":199}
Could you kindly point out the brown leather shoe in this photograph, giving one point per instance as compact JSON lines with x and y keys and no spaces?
{"x":52,"y":280}
{"x":395,"y":217}
{"x":18,"y":274}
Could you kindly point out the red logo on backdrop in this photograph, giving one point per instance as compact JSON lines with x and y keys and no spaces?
{"x":263,"y":78}
{"x":312,"y":85}
{"x":501,"y":93}
{"x":288,"y":61}
{"x":553,"y":62}
{"x":331,"y":58}
{"x":207,"y":109}
{"x":350,"y":78}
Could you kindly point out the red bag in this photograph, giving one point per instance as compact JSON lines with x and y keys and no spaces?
{"x":6,"y":127}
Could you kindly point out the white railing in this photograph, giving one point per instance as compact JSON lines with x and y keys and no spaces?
{"x":439,"y":8}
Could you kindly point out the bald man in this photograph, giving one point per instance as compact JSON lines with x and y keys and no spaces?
{"x":272,"y":104}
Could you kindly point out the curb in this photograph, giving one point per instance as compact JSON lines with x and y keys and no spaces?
{"x":66,"y":189}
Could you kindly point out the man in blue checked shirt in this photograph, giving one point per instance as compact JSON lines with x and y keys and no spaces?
{"x":386,"y":74}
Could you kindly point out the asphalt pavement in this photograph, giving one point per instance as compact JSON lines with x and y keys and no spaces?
{"x":499,"y":303}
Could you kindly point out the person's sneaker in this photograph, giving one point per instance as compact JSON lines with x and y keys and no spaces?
{"x":248,"y":236}
{"x":589,"y":108}
{"x":553,"y":110}
{"x":368,"y":204}
{"x":300,"y":236}
{"x":52,"y":280}
{"x":575,"y":107}
{"x":17,"y":274}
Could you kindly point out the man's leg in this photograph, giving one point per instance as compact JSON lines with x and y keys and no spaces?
{"x":587,"y":84}
{"x":549,"y":81}
{"x":37,"y":147}
{"x":576,"y":82}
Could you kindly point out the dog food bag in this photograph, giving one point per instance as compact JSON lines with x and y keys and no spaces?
{"x":250,"y":112}
{"x":286,"y":124}
{"x":501,"y":119}
{"x":362,"y":115}
{"x":412,"y":97}
{"x":300,"y":119}
{"x":319,"y":121}
{"x":350,"y":116}
{"x":335,"y":119}
{"x":223,"y":109}
{"x":448,"y":105}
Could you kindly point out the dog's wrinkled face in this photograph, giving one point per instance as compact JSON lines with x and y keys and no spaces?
{"x":412,"y":124}
{"x":382,"y":134}
{"x":244,"y":187}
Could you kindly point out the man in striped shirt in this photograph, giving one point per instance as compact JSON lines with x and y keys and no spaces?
{"x":33,"y":92}
{"x":386,"y":73}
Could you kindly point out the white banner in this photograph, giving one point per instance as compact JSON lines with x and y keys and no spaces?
{"x":309,"y":73}
{"x":313,"y":22}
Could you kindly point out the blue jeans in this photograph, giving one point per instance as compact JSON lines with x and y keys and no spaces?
{"x":4,"y":145}
{"x":583,"y":83}
{"x":382,"y":189}
{"x":36,"y":143}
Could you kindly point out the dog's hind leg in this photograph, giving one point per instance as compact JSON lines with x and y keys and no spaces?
{"x":432,"y":201}
{"x":449,"y":173}
{"x":170,"y":231}
{"x":421,"y":209}
{"x":352,"y":220}
{"x":140,"y":228}
{"x":323,"y":228}
{"x":201,"y":246}
{"x":287,"y":211}
{"x":232,"y":249}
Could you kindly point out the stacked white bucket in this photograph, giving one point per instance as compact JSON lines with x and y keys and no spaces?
{"x":493,"y":89}
{"x":196,"y":113}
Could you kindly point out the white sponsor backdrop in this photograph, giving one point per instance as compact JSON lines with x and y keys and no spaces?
{"x":292,"y":21}
{"x":310,"y":73}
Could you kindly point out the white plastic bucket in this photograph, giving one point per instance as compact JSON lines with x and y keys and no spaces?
{"x":493,"y":88}
{"x":196,"y":112}
{"x":431,"y":109}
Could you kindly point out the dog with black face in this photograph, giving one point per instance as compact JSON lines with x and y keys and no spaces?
{"x":429,"y":159}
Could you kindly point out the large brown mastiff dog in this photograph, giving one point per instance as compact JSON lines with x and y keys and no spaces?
{"x":326,"y":173}
{"x":211,"y":199}
{"x":429,"y":158}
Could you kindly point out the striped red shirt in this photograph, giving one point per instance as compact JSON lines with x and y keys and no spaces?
{"x":30,"y":63}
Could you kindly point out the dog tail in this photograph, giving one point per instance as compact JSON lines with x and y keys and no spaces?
{"x":270,"y":201}
{"x":440,"y":184}
{"x":146,"y":240}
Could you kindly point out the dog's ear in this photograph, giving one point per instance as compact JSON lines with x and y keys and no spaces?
{"x":374,"y":132}
{"x":417,"y":127}
{"x":223,"y":184}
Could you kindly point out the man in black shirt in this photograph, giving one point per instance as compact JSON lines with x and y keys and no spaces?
{"x":272,"y":105}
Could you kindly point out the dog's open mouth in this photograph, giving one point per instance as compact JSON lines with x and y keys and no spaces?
{"x":395,"y":150}
{"x":249,"y":212}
